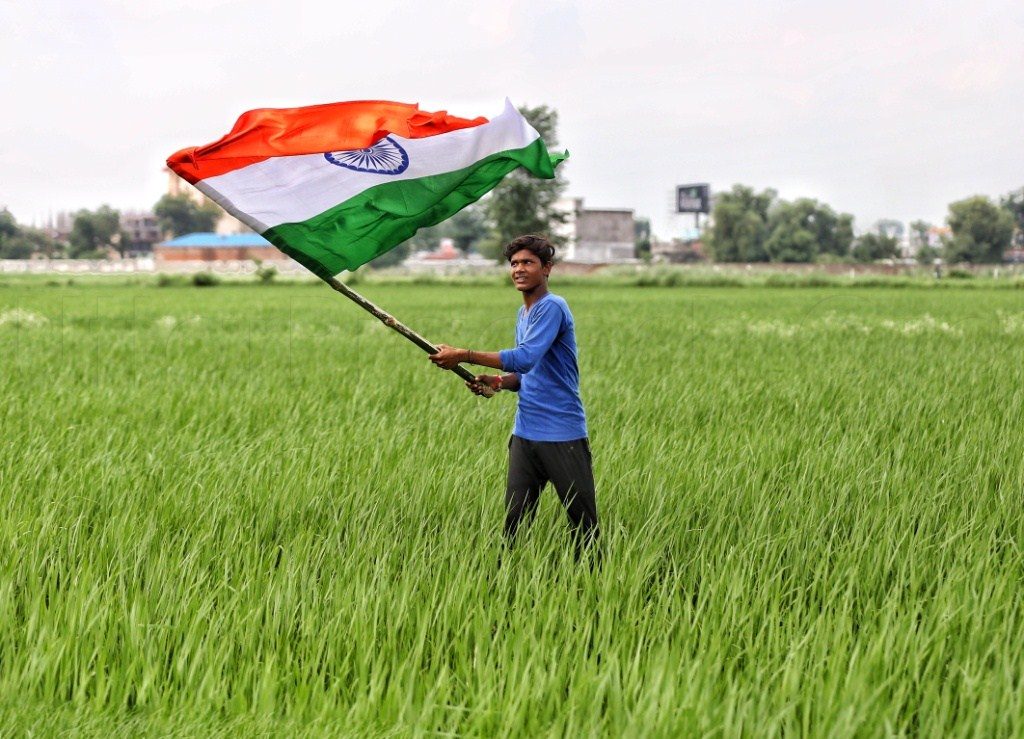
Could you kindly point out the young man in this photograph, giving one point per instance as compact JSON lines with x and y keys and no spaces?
{"x":549,"y":440}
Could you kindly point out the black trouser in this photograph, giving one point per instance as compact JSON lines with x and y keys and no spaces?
{"x":567,"y":465}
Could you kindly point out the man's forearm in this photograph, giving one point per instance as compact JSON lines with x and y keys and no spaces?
{"x":483,"y":359}
{"x":509,"y":382}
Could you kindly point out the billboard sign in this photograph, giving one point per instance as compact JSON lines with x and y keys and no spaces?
{"x":693,"y":198}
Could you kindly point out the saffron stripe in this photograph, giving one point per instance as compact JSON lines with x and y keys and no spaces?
{"x":270,"y":132}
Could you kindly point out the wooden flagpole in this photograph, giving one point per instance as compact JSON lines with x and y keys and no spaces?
{"x":393,"y":323}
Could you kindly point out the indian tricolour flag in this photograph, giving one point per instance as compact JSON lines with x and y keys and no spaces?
{"x":334,"y":186}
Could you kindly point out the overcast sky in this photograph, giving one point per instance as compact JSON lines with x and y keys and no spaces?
{"x":879,"y":109}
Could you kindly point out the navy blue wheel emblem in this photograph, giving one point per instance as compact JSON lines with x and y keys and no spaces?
{"x":384,"y":157}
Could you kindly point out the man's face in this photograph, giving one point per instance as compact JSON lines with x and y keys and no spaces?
{"x":527,"y":271}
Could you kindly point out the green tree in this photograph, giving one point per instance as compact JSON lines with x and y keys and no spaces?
{"x":27,"y":242}
{"x":8,"y":226}
{"x":927,"y":254}
{"x":15,"y":247}
{"x":789,"y":241}
{"x":842,"y":235}
{"x":180,"y":215}
{"x":10,"y":238}
{"x":1014,"y":203}
{"x":393,"y":257}
{"x":491,"y":247}
{"x":427,"y":239}
{"x":642,"y":238}
{"x":740,"y":225}
{"x":871,"y":247}
{"x":12,"y":243}
{"x":21,"y":242}
{"x":801,"y":230}
{"x":919,"y":233}
{"x":467,"y":228}
{"x":522,"y":203}
{"x":889,"y":227}
{"x":94,"y":232}
{"x":982,"y":231}
{"x":924,"y":252}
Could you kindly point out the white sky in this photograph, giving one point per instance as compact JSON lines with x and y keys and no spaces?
{"x":879,"y":109}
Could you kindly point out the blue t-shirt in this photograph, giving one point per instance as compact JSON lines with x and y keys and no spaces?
{"x":549,"y":407}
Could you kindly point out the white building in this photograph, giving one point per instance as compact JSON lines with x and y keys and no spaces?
{"x":142,"y":229}
{"x":597,"y":235}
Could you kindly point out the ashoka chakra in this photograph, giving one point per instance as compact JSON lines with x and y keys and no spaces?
{"x":384,"y":157}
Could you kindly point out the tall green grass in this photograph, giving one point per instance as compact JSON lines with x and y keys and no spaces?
{"x":257,"y":511}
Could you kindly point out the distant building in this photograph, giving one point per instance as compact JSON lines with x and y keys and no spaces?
{"x":142,"y":229}
{"x":597,"y":235}
{"x":213,"y":247}
{"x":226,"y":224}
{"x":447,"y":259}
{"x":58,"y":226}
{"x":446,"y":252}
{"x":677,"y":251}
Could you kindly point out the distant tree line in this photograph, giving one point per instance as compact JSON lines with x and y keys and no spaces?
{"x":752,"y":226}
{"x":96,"y":233}
{"x":22,"y":242}
{"x":93,"y":235}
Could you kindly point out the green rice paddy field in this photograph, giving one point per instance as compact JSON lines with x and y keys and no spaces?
{"x":253,"y":510}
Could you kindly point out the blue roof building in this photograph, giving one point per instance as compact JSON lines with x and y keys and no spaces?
{"x":213,"y":247}
{"x":217,"y":241}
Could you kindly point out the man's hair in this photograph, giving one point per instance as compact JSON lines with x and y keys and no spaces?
{"x":537,"y":245}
